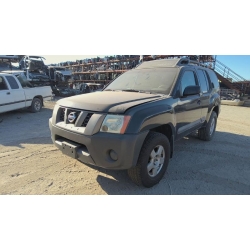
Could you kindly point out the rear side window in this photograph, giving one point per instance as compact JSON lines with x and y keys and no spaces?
{"x":203,"y":81}
{"x":12,"y":82}
{"x":213,"y":79}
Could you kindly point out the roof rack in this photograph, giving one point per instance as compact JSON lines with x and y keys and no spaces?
{"x":198,"y":63}
{"x":163,"y":63}
{"x":186,"y":61}
{"x":182,"y":61}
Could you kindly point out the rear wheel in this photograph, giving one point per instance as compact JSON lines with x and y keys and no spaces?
{"x":153,"y":160}
{"x":36,"y":105}
{"x":207,"y":132}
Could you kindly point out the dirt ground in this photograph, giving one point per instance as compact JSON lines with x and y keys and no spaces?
{"x":31,"y":164}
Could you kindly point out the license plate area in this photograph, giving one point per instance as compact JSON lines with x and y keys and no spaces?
{"x":70,"y":149}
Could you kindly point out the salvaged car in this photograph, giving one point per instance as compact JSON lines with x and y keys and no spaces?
{"x":58,"y":74}
{"x":135,"y":121}
{"x":63,"y":91}
{"x":85,"y":88}
{"x":35,"y":68}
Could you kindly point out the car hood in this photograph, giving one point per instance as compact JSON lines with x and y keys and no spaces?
{"x":107,"y":101}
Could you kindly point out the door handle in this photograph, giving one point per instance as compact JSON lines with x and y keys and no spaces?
{"x":8,"y":93}
{"x":199,"y":102}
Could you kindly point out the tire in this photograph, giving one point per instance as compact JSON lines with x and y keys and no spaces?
{"x":152,"y":162}
{"x":36,"y":105}
{"x":207,"y":133}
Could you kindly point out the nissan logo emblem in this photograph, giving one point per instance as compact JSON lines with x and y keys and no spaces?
{"x":72,"y":117}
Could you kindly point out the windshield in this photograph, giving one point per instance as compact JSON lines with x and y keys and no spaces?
{"x":157,"y":80}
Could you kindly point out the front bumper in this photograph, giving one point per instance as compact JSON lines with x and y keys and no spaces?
{"x":95,"y":149}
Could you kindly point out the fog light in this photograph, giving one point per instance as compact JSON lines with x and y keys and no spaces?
{"x":113,"y":155}
{"x":105,"y":128}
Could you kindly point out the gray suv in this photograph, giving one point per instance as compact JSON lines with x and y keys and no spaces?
{"x":133,"y":123}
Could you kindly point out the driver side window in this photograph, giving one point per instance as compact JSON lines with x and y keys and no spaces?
{"x":188,"y":79}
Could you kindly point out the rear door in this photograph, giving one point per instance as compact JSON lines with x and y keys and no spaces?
{"x":205,"y":93}
{"x":188,"y":109}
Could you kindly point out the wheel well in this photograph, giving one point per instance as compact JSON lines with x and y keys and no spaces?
{"x":216,"y":110}
{"x":167,"y":131}
{"x":39,"y":97}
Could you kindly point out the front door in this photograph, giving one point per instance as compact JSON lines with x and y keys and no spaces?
{"x":188,"y":108}
{"x":5,"y":97}
{"x":11,"y":94}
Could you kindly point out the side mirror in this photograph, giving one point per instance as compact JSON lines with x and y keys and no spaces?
{"x":192,"y":90}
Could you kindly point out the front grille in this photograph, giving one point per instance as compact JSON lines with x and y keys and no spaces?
{"x":86,"y":120}
{"x":73,"y":113}
{"x":70,"y":116}
{"x":62,"y":114}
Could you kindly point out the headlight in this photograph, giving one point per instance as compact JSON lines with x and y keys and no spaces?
{"x":115,"y":124}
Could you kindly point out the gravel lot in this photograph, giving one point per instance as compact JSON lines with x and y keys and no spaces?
{"x":31,"y":164}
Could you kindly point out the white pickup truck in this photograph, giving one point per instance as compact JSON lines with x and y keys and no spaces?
{"x":17,"y":93}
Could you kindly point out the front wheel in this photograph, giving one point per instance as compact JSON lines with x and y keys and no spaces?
{"x":153,"y":160}
{"x":36,"y":105}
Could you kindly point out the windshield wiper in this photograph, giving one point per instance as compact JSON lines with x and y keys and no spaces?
{"x":134,"y":90}
{"x":130,"y":90}
{"x":139,"y":91}
{"x":125,"y":90}
{"x":108,"y":90}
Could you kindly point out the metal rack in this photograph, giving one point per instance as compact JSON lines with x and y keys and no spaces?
{"x":106,"y":70}
{"x":102,"y":71}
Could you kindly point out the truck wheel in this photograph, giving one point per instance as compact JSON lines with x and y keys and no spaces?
{"x":207,"y":132}
{"x":153,"y":160}
{"x":36,"y":105}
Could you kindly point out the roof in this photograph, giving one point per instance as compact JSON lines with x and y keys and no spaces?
{"x":164,"y":63}
{"x":170,"y":63}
